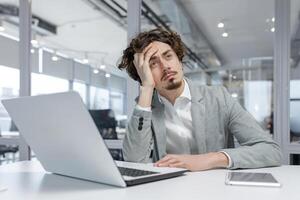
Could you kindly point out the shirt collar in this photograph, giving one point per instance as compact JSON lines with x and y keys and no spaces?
{"x":186,"y":94}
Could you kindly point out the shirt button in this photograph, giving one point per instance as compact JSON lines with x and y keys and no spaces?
{"x":141,"y":119}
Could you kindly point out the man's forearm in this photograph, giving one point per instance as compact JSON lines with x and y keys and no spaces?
{"x":145,"y":97}
{"x":218,"y":160}
{"x":195,"y":162}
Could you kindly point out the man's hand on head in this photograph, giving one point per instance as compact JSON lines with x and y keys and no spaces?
{"x":141,"y":63}
{"x":194,"y":162}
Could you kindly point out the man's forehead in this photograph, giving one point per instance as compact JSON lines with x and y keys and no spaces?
{"x":162,"y":48}
{"x":160,"y":45}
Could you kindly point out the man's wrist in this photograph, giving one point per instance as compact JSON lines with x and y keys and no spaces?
{"x":146,"y":93}
{"x":219,"y":160}
{"x":222,"y":160}
{"x":146,"y":88}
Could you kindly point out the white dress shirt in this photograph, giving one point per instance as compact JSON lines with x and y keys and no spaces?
{"x":178,"y":121}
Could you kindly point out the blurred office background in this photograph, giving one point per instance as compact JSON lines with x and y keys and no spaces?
{"x":76,"y":45}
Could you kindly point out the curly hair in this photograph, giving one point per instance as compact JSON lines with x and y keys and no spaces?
{"x":142,"y":40}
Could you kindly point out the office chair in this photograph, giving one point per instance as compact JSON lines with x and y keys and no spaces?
{"x":4,"y":149}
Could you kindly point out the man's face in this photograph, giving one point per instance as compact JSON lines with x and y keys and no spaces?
{"x":165,"y":67}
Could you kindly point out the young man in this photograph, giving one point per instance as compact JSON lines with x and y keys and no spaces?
{"x":187,"y":126}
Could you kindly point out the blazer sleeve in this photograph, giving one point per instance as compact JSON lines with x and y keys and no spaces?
{"x":138,"y":140}
{"x":257,"y":148}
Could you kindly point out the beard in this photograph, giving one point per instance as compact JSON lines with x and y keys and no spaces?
{"x":172,"y":84}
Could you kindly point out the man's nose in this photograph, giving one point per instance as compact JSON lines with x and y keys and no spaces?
{"x":164,"y":65}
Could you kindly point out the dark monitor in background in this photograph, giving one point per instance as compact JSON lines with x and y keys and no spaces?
{"x":105,"y":122}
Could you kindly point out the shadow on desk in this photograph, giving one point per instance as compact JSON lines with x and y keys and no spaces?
{"x":38,"y":182}
{"x":57,"y":183}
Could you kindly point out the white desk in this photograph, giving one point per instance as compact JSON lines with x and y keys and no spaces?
{"x":28,"y":180}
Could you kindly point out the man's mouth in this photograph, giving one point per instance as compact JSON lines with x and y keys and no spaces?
{"x":168,"y":75}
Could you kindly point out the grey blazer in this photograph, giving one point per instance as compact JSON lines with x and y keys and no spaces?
{"x":217,"y":118}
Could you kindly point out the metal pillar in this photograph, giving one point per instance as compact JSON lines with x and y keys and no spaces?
{"x":134,"y":27}
{"x":24,"y":62}
{"x":282,"y":76}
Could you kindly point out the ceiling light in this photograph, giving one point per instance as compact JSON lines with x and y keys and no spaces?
{"x":225,"y":34}
{"x":107,"y":75}
{"x":221,"y":25}
{"x":234,"y":77}
{"x":34,"y":41}
{"x":273,"y":19}
{"x":32,"y":51}
{"x":54,"y":57}
{"x":272,"y":29}
{"x":102,"y":66}
{"x":95,"y":71}
{"x":234,"y":95}
{"x":85,"y":60}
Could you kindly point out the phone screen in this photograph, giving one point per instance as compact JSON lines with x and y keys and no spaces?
{"x":252,"y":177}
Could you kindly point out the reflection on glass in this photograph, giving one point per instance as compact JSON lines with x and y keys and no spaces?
{"x":295,"y":78}
{"x":117,"y":105}
{"x":295,"y":110}
{"x":99,"y":98}
{"x":257,"y":100}
{"x":81,"y":89}
{"x":9,"y":88}
{"x":44,"y":84}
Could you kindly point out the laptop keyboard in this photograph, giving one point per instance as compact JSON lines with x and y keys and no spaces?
{"x":134,"y":172}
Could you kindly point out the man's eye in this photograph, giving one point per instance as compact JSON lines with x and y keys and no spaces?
{"x":153,"y":64}
{"x":169,"y":55}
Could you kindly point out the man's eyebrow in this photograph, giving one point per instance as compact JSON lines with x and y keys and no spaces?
{"x":166,"y":52}
{"x":153,"y":57}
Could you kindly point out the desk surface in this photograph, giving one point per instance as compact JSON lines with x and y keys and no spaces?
{"x":28,"y":180}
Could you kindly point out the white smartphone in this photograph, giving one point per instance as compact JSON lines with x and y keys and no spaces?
{"x":251,"y":179}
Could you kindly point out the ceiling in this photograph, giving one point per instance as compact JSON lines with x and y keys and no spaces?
{"x":81,"y":31}
{"x":82,"y":28}
{"x":245,"y":21}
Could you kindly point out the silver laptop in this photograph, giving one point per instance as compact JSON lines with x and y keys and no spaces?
{"x":64,"y":138}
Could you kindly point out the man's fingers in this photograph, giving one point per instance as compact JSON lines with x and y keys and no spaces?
{"x":141,"y":58}
{"x":178,"y":165}
{"x":149,"y":54}
{"x":169,"y":162}
{"x":147,"y":48}
{"x":135,"y":61}
{"x":164,"y":159}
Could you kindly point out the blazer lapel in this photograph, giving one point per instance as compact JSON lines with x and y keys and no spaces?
{"x":198,"y":116}
{"x":158,"y":125}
